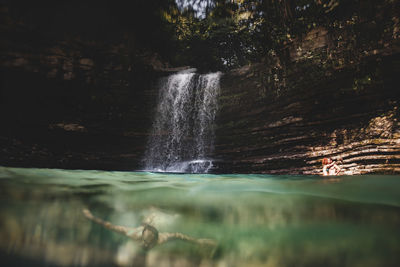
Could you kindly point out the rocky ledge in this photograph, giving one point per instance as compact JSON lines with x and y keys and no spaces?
{"x":287,"y":125}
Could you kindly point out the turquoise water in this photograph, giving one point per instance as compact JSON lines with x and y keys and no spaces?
{"x":247,"y":220}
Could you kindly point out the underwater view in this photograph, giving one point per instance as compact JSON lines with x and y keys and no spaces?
{"x":52,"y":217}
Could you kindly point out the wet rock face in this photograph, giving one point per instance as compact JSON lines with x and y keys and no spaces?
{"x":264,"y":129}
{"x":324,"y":95}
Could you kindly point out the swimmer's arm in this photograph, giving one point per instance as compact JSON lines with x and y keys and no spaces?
{"x":134,"y":233}
{"x":164,"y":237}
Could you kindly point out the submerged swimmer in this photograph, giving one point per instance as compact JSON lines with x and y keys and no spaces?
{"x":330,"y":167}
{"x":146,"y":234}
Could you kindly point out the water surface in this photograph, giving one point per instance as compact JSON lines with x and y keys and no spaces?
{"x":253,"y":220}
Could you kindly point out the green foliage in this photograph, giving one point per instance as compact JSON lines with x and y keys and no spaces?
{"x":360,"y":83}
{"x":215,"y":34}
{"x":230,"y":34}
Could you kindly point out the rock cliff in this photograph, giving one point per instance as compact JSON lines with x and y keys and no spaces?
{"x":285,"y":119}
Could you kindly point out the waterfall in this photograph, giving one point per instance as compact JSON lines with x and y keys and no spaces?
{"x":182,"y":136}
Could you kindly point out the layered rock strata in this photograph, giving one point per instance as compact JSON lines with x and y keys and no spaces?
{"x":264,"y":130}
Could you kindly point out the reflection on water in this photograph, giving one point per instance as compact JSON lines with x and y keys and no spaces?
{"x":206,"y":220}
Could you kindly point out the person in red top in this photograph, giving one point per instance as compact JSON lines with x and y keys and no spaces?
{"x":329,"y":167}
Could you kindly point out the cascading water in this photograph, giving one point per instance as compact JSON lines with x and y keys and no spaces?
{"x":183,"y":132}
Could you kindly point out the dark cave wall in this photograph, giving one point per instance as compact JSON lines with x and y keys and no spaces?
{"x":74,"y":101}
